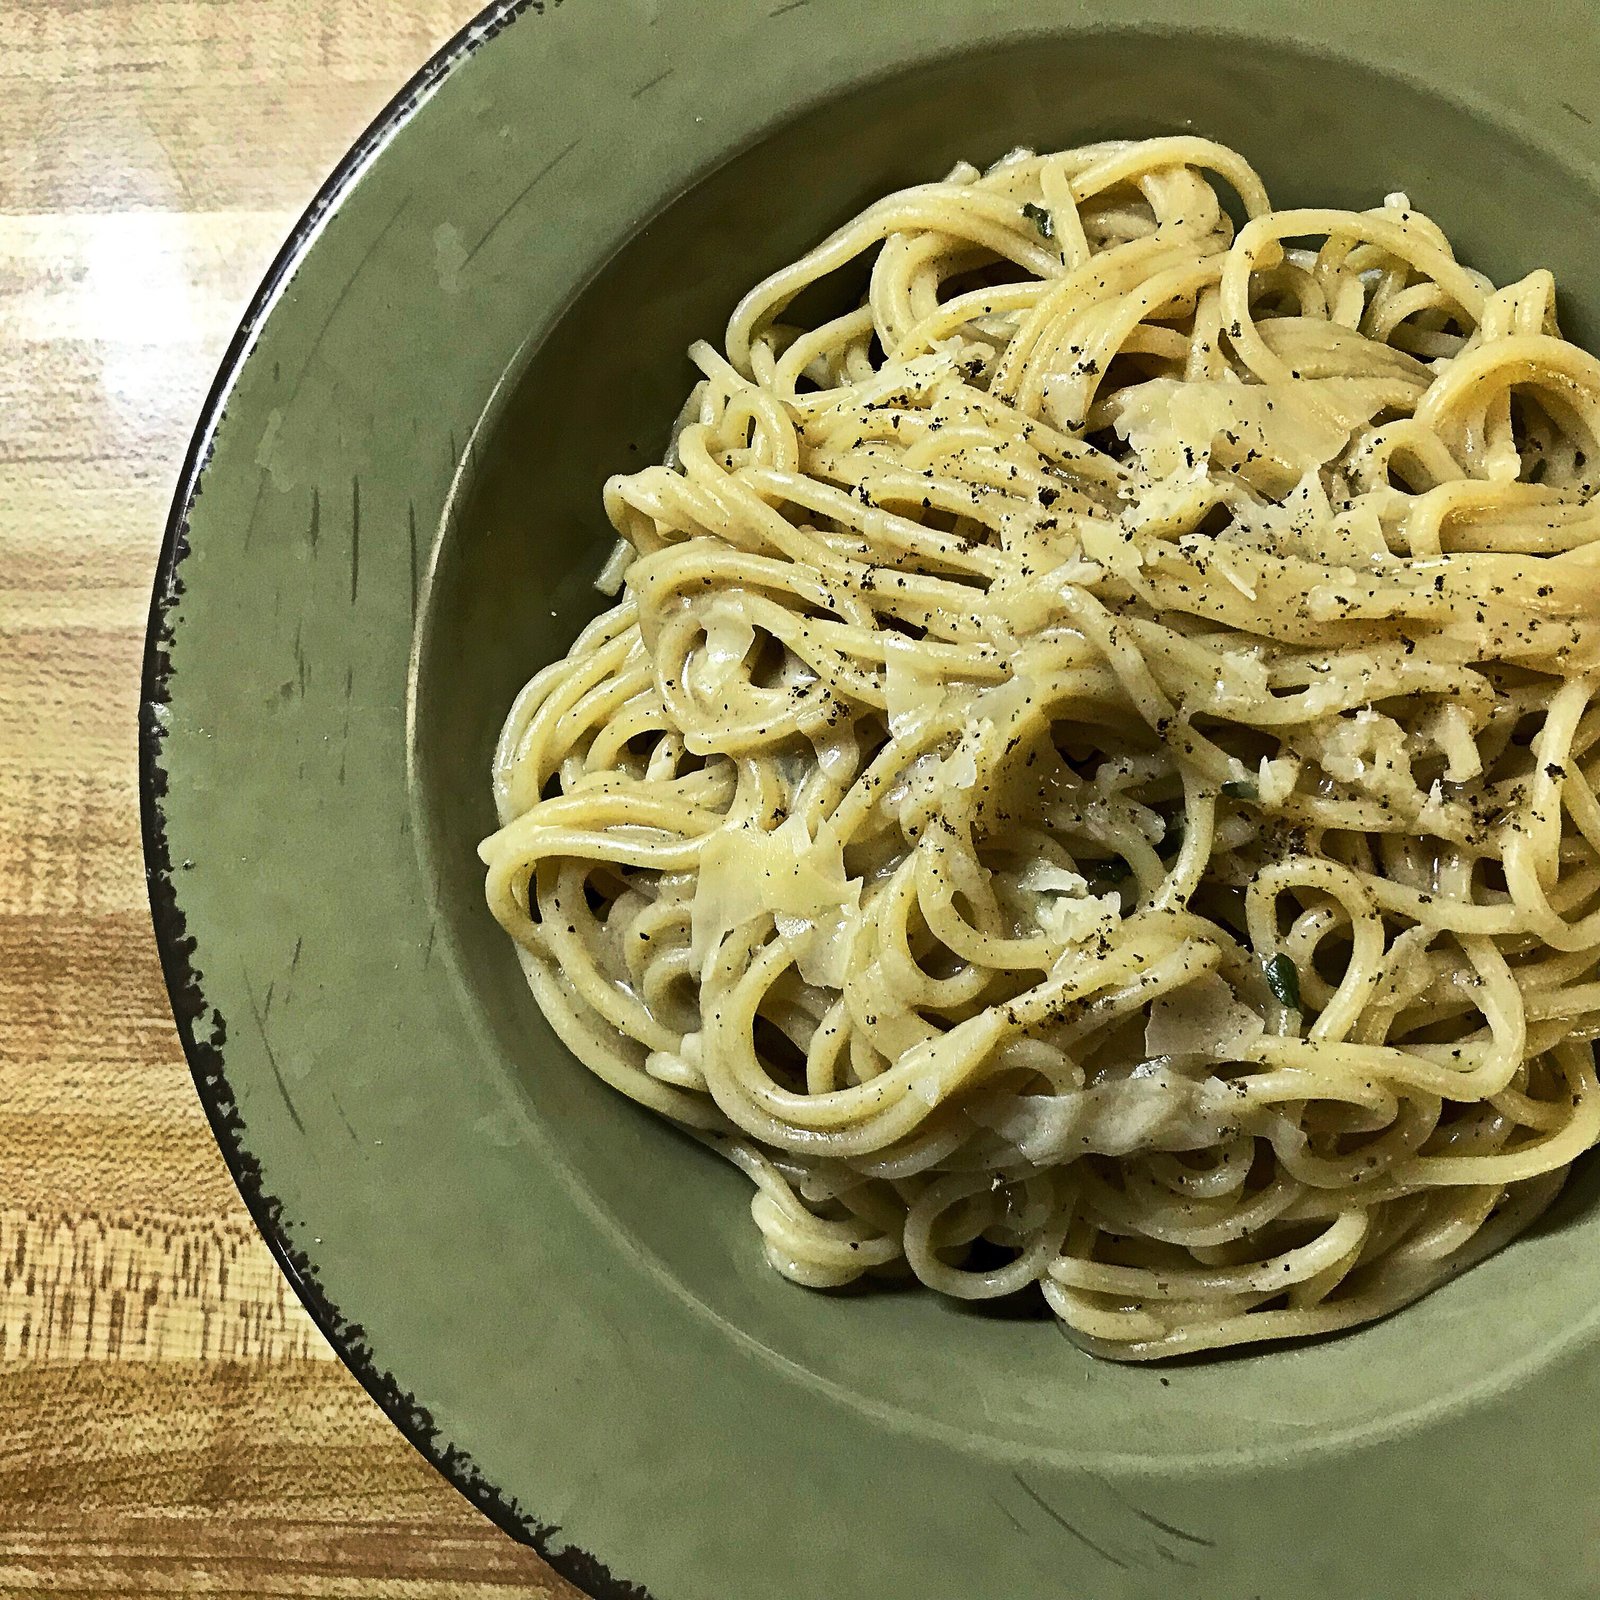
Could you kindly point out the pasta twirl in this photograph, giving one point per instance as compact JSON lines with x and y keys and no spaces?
{"x":1091,"y":781}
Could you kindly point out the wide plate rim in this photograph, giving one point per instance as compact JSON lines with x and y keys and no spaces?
{"x":173,"y":945}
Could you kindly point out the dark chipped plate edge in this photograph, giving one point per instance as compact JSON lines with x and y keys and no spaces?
{"x":201,"y":1029}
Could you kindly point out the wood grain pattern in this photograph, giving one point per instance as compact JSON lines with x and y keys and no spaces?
{"x":172,"y":1421}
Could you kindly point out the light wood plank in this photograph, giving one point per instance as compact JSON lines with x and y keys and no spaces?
{"x":243,"y":41}
{"x":173,"y":1423}
{"x":138,"y":1288}
{"x":158,"y":145}
{"x":230,"y":1478}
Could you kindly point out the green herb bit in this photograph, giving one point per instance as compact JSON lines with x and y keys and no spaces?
{"x":1284,"y":981}
{"x":1041,"y":218}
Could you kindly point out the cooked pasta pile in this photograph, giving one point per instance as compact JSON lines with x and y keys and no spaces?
{"x":1091,"y":781}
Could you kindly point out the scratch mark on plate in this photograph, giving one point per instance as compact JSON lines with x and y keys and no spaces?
{"x":793,"y":5}
{"x":1567,"y":105}
{"x":1005,"y":1512}
{"x":1061,"y":1522}
{"x":645,"y":88}
{"x":294,"y":959}
{"x":522,"y":194}
{"x":314,"y":532}
{"x":272,"y":1058}
{"x":1175,"y":1531}
{"x":255,"y":509}
{"x":1153,"y":1521}
{"x":344,"y":735}
{"x":354,"y":1138}
{"x":411,"y":529}
{"x":355,"y":537}
{"x":349,"y":284}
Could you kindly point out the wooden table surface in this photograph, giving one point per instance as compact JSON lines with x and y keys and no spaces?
{"x":170,"y":1420}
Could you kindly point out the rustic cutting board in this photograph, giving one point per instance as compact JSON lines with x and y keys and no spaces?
{"x":172,"y":1422}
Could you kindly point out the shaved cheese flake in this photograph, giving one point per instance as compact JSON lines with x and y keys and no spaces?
{"x":915,"y":787}
{"x":911,"y":698}
{"x":1369,"y":751}
{"x":821,"y":945}
{"x":1225,"y":567}
{"x":1107,"y":545}
{"x":1155,"y":1109}
{"x":1076,"y":921}
{"x":838,"y":754}
{"x":899,"y":383}
{"x":1203,"y":1016}
{"x":1043,"y":877}
{"x":1062,"y":906}
{"x":1242,"y":681}
{"x":1450,"y":730}
{"x":1173,"y":424}
{"x":728,"y":638}
{"x":1276,"y":778}
{"x":745,"y":872}
{"x":960,"y":769}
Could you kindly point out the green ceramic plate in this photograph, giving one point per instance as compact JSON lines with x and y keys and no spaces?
{"x":391,"y":515}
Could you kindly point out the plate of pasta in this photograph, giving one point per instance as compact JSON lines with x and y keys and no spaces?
{"x":890,"y":823}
